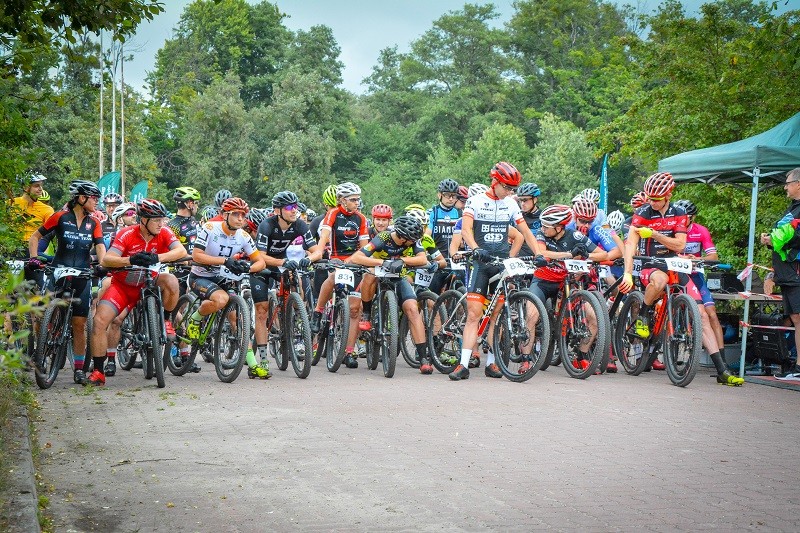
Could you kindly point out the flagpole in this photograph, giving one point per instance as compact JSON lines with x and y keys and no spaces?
{"x":122,"y":118}
{"x":101,"y":103}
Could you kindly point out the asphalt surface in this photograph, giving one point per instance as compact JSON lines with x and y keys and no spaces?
{"x":356,"y":451}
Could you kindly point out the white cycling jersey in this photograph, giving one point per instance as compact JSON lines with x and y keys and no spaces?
{"x":214,"y":241}
{"x":490,"y":219}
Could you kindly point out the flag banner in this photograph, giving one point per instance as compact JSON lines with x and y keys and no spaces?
{"x":109,"y":183}
{"x":139,"y":192}
{"x":604,"y":184}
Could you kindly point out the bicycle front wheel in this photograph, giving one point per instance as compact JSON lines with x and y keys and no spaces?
{"x":629,"y":348}
{"x":446,"y":330}
{"x":583,"y":335}
{"x":187,"y":305}
{"x":51,"y":348}
{"x":521,"y":336}
{"x":126,"y":349}
{"x":156,"y":348}
{"x":337,"y":343}
{"x":606,"y":319}
{"x":298,"y":336}
{"x":231,"y":339}
{"x":683,"y":342}
{"x":275,"y":334}
{"x":386,"y":334}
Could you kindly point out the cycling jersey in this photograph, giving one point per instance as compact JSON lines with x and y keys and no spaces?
{"x":672,"y":222}
{"x":129,"y":241}
{"x":274,"y":242}
{"x":533,"y":222}
{"x":74,"y":243}
{"x":185,"y":229}
{"x":214,"y":241}
{"x":698,"y":241}
{"x":597,"y":234}
{"x":33,"y":215}
{"x":384,"y":247}
{"x":556,"y":272}
{"x":441,"y":225}
{"x":348,"y":230}
{"x":491,"y":217}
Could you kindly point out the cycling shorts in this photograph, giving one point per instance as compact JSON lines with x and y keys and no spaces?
{"x":545,"y":290}
{"x":479,"y":279}
{"x":121,"y":295}
{"x":81,"y":290}
{"x":204,"y":287}
{"x":699,"y":281}
{"x":688,"y":286}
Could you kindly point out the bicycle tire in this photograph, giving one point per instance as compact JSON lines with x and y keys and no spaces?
{"x":551,"y":343}
{"x":630,"y":349}
{"x":574,"y":333}
{"x":319,"y":346}
{"x":126,"y":355}
{"x":275,"y":341}
{"x":607,"y":321}
{"x":51,"y":345}
{"x":386,"y":341}
{"x":371,"y":349}
{"x":512,"y":336}
{"x":425,"y":302}
{"x":337,"y":342}
{"x":446,"y":330}
{"x":187,"y":305}
{"x":298,"y":331}
{"x":231,"y":343}
{"x":687,"y":329}
{"x":155,"y":324}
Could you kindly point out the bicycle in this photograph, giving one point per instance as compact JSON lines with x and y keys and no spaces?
{"x":676,"y":326}
{"x":521,"y":324}
{"x":288,"y":325}
{"x":335,"y":323}
{"x":228,"y":329}
{"x":425,"y":301}
{"x":55,"y":331}
{"x":382,"y":339}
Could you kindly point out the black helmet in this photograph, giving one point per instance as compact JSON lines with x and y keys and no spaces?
{"x":688,"y":206}
{"x":284,"y":198}
{"x":528,"y":189}
{"x":151,"y":208}
{"x":221,"y":196}
{"x":302,"y":207}
{"x":255,"y":217}
{"x":83,"y":188}
{"x":448,"y":185}
{"x":408,"y":227}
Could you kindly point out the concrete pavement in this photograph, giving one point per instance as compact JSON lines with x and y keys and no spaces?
{"x":356,"y":451}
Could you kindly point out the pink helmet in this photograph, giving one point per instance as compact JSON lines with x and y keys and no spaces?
{"x":382,"y":211}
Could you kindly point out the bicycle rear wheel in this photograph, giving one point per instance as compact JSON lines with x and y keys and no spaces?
{"x":425,"y":302}
{"x":577,"y":314}
{"x":337,"y":343}
{"x":446,"y":330}
{"x":51,"y":348}
{"x":187,"y":305}
{"x":126,"y":351}
{"x":629,"y":348}
{"x":275,"y":344}
{"x":683,"y":345}
{"x":298,"y":333}
{"x":231,"y":339}
{"x":386,"y":334}
{"x":607,"y":321}
{"x":521,"y":336}
{"x":156,"y":348}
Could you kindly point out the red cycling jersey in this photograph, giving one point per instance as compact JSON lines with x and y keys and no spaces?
{"x":129,"y":241}
{"x":673,"y":221}
{"x":348,"y":232}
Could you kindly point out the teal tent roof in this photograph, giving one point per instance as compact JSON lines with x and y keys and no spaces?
{"x":777,"y":150}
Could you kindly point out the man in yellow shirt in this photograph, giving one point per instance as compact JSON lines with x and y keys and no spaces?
{"x":34,"y":213}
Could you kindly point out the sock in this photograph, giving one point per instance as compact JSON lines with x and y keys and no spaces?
{"x":719,"y":364}
{"x":466,"y":353}
{"x":184,"y":352}
{"x":489,"y":358}
{"x":367,"y":307}
{"x":422,"y":351}
{"x":166,"y":314}
{"x":78,"y":361}
{"x":251,"y":359}
{"x":111,"y":353}
{"x":99,"y":363}
{"x":196,"y":316}
{"x":262,"y":351}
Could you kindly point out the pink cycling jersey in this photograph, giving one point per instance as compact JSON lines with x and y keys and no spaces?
{"x":698,"y":241}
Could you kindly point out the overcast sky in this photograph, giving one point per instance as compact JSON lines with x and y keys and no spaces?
{"x":361,"y":27}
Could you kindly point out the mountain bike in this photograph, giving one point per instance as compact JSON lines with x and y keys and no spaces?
{"x":288,"y":325}
{"x":335,"y":323}
{"x":425,"y":301}
{"x":382,"y":339}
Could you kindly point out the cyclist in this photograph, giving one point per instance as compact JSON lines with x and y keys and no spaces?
{"x":395,"y":250}
{"x":585,"y":221}
{"x":592,"y":195}
{"x":310,"y":214}
{"x":345,"y":229}
{"x":33,"y":213}
{"x":254,"y":219}
{"x":275,"y":235}
{"x":208,"y":212}
{"x":463,"y":194}
{"x":184,"y":225}
{"x":637,"y":201}
{"x":303,"y":210}
{"x":111,"y":201}
{"x":77,"y":232}
{"x":382,"y":215}
{"x":659,"y":229}
{"x":485,"y":229}
{"x":528,"y":200}
{"x":444,"y":215}
{"x":145,"y":244}
{"x":457,"y":243}
{"x":330,"y":202}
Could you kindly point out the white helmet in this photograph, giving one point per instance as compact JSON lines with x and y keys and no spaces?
{"x":120,"y":210}
{"x":343,"y":190}
{"x":590,"y":194}
{"x":476,"y":188}
{"x":615,"y":220}
{"x":419,"y":214}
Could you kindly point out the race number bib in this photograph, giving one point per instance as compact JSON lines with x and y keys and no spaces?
{"x":637,"y":267}
{"x":342,"y":276}
{"x":423,"y":278}
{"x":576,"y":266}
{"x":15,"y":267}
{"x":62,"y":272}
{"x":604,"y":271}
{"x":515,"y":267}
{"x":677,"y":264}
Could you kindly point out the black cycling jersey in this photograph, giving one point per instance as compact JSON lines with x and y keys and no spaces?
{"x":74,"y":243}
{"x":185,"y":229}
{"x":384,"y":247}
{"x":534,"y":224}
{"x":556,"y":272}
{"x":273,"y":241}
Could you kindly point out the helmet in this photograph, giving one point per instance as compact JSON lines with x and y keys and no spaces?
{"x":590,"y":194}
{"x":615,"y":220}
{"x":528,"y":189}
{"x":302,"y":207}
{"x":585,"y":208}
{"x":506,"y":173}
{"x":311,"y":214}
{"x":235,"y":204}
{"x":120,"y":210}
{"x":688,"y":206}
{"x":448,"y":185}
{"x":329,"y":196}
{"x":463,"y":192}
{"x":113,"y":198}
{"x":221,"y":196}
{"x":208,"y":212}
{"x":410,"y":207}
{"x":150,"y":208}
{"x":659,"y":185}
{"x":408,"y":227}
{"x":638,"y":200}
{"x":284,"y":198}
{"x":382,"y":211}
{"x":419,"y":214}
{"x":476,"y":188}
{"x":184,"y":194}
{"x":83,"y":188}
{"x":346,"y":189}
{"x":45,"y":197}
{"x":34,"y":178}
{"x":556,"y":215}
{"x":254,"y":218}
{"x":99,"y":216}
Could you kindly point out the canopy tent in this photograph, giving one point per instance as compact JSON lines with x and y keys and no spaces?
{"x":768,"y":155}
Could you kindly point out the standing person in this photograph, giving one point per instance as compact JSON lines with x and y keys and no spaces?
{"x":34,"y":213}
{"x":443,"y":216}
{"x":77,"y":233}
{"x":528,"y":200}
{"x":785,"y":243}
{"x":184,"y":225}
{"x":111,"y":201}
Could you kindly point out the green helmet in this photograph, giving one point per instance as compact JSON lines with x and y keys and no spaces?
{"x":329,"y":196}
{"x":45,"y":197}
{"x":184,"y":194}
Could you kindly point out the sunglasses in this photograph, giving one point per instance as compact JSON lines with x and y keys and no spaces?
{"x":290,"y":207}
{"x":585,"y":220}
{"x":129,"y":213}
{"x":449,"y":196}
{"x":656,"y":199}
{"x":509,"y":189}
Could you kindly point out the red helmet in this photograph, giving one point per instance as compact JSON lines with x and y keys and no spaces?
{"x":463,"y":192}
{"x":638,"y":200}
{"x":585,"y":209}
{"x":556,"y":215}
{"x":235,"y":204}
{"x":506,"y":173}
{"x":382,"y":211}
{"x":659,"y":185}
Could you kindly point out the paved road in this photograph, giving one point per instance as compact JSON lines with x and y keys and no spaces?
{"x":356,"y":451}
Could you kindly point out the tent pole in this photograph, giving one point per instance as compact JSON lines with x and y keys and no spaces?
{"x":749,"y":280}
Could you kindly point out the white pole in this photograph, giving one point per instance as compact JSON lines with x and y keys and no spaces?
{"x":102,"y":77}
{"x":113,"y":110}
{"x":122,"y":120}
{"x":749,"y":282}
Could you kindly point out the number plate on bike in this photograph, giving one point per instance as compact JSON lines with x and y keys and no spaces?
{"x":381,"y":272}
{"x":515,"y":267}
{"x":423,"y":278}
{"x":603,"y":271}
{"x":637,"y":267}
{"x":457,"y":266}
{"x":15,"y":266}
{"x":227,"y":274}
{"x":677,"y":264}
{"x":342,"y":276}
{"x":62,"y":272}
{"x":576,"y":266}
